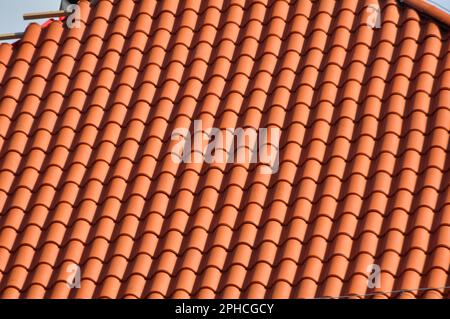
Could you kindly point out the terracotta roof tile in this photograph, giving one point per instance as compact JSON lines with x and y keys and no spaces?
{"x":435,"y":9}
{"x":87,"y":177}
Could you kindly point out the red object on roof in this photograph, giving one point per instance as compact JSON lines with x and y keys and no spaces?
{"x":88,"y":186}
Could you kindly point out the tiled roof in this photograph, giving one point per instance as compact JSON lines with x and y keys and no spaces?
{"x":87,"y":178}
{"x":437,"y":9}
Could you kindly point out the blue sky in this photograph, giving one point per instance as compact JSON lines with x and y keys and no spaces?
{"x":11,"y":12}
{"x":444,"y":3}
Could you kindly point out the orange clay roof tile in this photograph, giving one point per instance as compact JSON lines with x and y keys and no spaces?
{"x":438,"y":10}
{"x":87,"y":176}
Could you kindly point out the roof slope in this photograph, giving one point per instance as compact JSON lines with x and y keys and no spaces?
{"x":86,"y":177}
